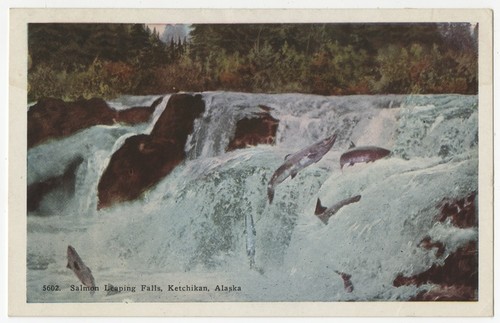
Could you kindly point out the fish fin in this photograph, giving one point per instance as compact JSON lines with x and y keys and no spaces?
{"x":287,"y":156}
{"x":320,"y":209}
{"x":352,"y":145}
{"x":68,"y":266}
{"x":312,"y":155}
{"x":293,"y":174}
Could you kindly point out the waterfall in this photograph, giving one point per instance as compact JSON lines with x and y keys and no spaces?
{"x":189,"y":228}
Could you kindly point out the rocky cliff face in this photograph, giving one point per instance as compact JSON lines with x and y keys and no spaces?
{"x":53,"y":118}
{"x":65,"y":183}
{"x":145,"y":159}
{"x":136,"y":115}
{"x":261,"y":129}
{"x":457,"y":278}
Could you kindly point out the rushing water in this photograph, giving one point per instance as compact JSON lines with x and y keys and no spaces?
{"x":189,"y":229}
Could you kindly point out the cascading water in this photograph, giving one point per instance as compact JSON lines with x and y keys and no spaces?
{"x":189,"y":229}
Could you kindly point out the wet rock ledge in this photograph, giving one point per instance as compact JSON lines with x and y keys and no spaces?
{"x":143,"y":160}
{"x":251,"y":131}
{"x":53,"y":118}
{"x":457,"y":278}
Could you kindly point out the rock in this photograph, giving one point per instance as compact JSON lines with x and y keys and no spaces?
{"x":461,"y":212}
{"x":53,"y":118}
{"x":176,"y":122}
{"x":428,"y":244}
{"x":136,"y":115}
{"x":459,"y":268}
{"x":457,"y":279}
{"x":136,"y":166}
{"x":261,"y":129}
{"x":65,"y":182}
{"x":143,"y":160}
{"x":447,"y":293}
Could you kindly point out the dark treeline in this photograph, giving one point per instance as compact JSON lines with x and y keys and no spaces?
{"x":73,"y":60}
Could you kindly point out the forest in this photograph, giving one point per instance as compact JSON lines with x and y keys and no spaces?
{"x":71,"y":61}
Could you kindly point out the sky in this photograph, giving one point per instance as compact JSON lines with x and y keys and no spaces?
{"x":169,"y":31}
{"x":159,"y":27}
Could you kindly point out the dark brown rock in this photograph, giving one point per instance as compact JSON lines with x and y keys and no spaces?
{"x":447,"y":293}
{"x":428,"y":244}
{"x":144,"y":160}
{"x":461,"y":212}
{"x":135,"y":167}
{"x":66,"y":182}
{"x":457,"y":279}
{"x":460,"y":269}
{"x":136,"y":115}
{"x":261,"y":129}
{"x":176,"y":122}
{"x":54,"y":118}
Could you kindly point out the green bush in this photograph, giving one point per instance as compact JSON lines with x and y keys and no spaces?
{"x":100,"y":79}
{"x":184,"y":76}
{"x":419,"y":69}
{"x":43,"y":81}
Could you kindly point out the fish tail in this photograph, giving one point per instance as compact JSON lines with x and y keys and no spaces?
{"x":319,"y":208}
{"x":270,"y":193}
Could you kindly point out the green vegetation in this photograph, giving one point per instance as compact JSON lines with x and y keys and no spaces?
{"x":105,"y":60}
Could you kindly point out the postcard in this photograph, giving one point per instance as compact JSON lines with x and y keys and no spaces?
{"x":250,"y":162}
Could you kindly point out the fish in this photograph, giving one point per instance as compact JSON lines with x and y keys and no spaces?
{"x":298,"y":161}
{"x":250,"y":239}
{"x":362,"y":154}
{"x":324,"y":213}
{"x":348,"y":287}
{"x":76,"y":264}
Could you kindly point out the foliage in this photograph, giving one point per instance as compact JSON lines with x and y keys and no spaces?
{"x":418,"y":69}
{"x":106,"y":60}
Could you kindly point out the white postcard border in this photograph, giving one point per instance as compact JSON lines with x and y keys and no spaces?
{"x":17,"y":163}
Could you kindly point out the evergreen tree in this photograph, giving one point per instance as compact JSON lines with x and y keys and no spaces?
{"x":314,"y":58}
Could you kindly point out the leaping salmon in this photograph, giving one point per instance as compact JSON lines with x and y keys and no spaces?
{"x":347,"y":281}
{"x":84,"y":274}
{"x":250,"y":235}
{"x":324,"y":213}
{"x":297,"y":161}
{"x":362,"y":155}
